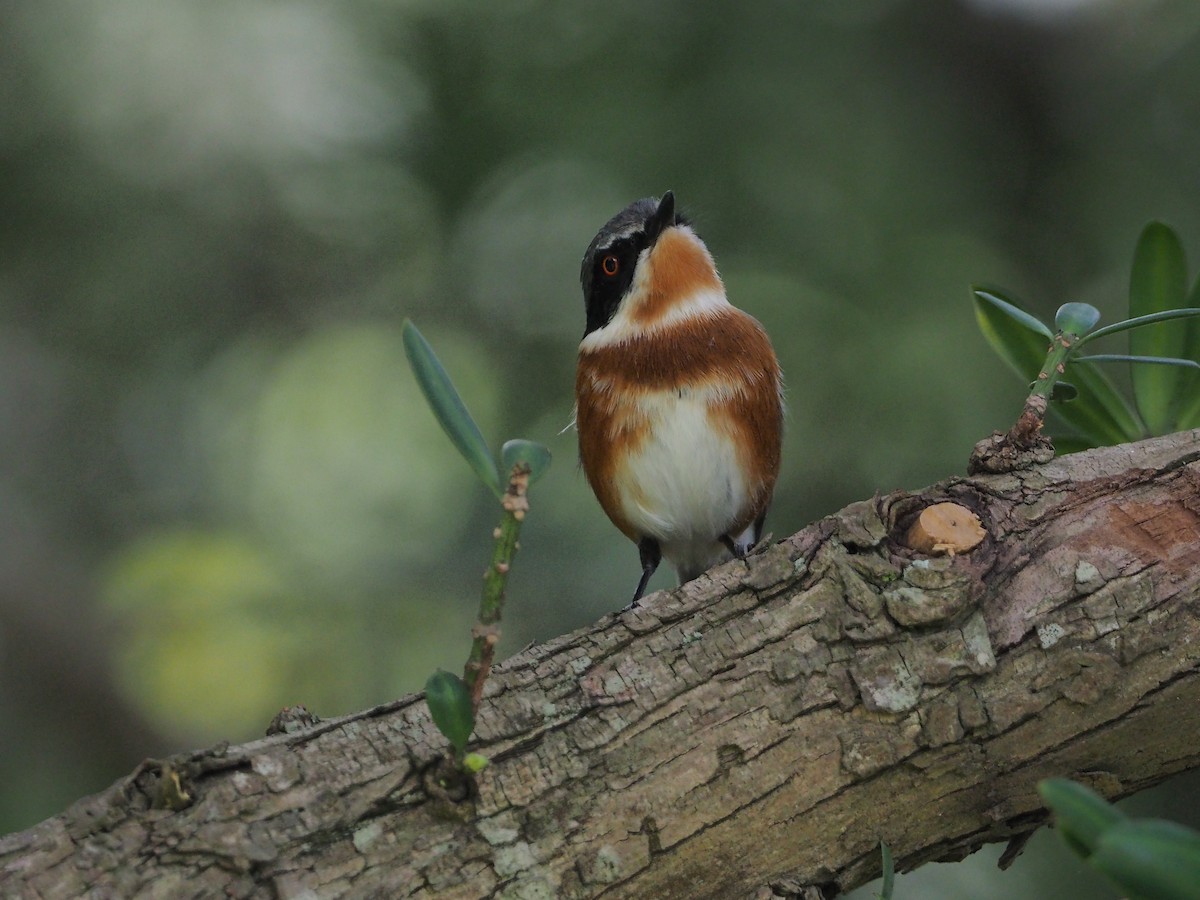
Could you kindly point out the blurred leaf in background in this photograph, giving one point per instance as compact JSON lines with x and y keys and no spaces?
{"x":212,"y":460}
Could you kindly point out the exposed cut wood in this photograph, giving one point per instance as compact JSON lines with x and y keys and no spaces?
{"x":945,"y":529}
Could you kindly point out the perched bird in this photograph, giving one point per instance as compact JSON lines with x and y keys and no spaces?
{"x":678,"y":395}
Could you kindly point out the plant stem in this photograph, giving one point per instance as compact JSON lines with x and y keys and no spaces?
{"x":1055,"y":364}
{"x":486,"y":632}
{"x":1026,"y":431}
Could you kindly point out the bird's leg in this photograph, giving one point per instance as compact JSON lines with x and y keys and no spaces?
{"x":651,"y":556}
{"x":757,"y":546}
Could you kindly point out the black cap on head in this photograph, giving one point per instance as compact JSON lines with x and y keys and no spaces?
{"x":619,"y":243}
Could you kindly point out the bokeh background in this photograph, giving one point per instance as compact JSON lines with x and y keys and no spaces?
{"x":220,"y":492}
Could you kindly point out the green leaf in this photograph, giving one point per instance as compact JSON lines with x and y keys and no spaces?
{"x":1063,"y":392}
{"x":889,"y":872}
{"x":1080,"y":814}
{"x":1101,"y":409}
{"x":1124,"y":357}
{"x":475,"y":763}
{"x":1017,"y":337}
{"x":1185,"y":312}
{"x":1101,"y":413}
{"x":1076,"y":318}
{"x":449,"y":702}
{"x":1189,"y":411}
{"x":1151,"y":859}
{"x":448,"y":407}
{"x":1158,"y":282}
{"x":991,"y":299}
{"x":533,"y":454}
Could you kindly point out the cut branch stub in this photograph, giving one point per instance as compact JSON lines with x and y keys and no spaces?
{"x":945,"y":528}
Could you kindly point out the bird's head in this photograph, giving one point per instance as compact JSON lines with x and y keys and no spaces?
{"x":645,"y":269}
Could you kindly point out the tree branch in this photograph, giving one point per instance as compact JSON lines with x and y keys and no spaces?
{"x":756,"y":733}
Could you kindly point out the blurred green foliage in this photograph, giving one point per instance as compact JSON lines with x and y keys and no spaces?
{"x":219,"y":490}
{"x":1149,"y":859}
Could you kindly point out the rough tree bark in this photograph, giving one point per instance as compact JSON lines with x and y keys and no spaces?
{"x":755,"y":733}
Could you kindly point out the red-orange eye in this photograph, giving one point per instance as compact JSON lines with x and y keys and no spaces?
{"x":610,"y":264}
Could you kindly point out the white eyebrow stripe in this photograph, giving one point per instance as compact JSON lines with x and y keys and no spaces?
{"x":626,"y":232}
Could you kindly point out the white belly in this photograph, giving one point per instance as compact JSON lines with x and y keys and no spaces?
{"x":683,"y":486}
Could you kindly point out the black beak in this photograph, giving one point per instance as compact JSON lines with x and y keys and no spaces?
{"x":663,"y":218}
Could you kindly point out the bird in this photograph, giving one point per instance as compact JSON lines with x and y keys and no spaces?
{"x":679,"y":402}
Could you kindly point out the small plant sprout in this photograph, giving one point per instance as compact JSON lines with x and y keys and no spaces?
{"x":1165,"y":357}
{"x":889,"y":872}
{"x":450,"y":706}
{"x":454,"y":701}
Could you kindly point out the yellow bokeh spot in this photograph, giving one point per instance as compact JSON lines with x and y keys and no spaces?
{"x":200,"y":648}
